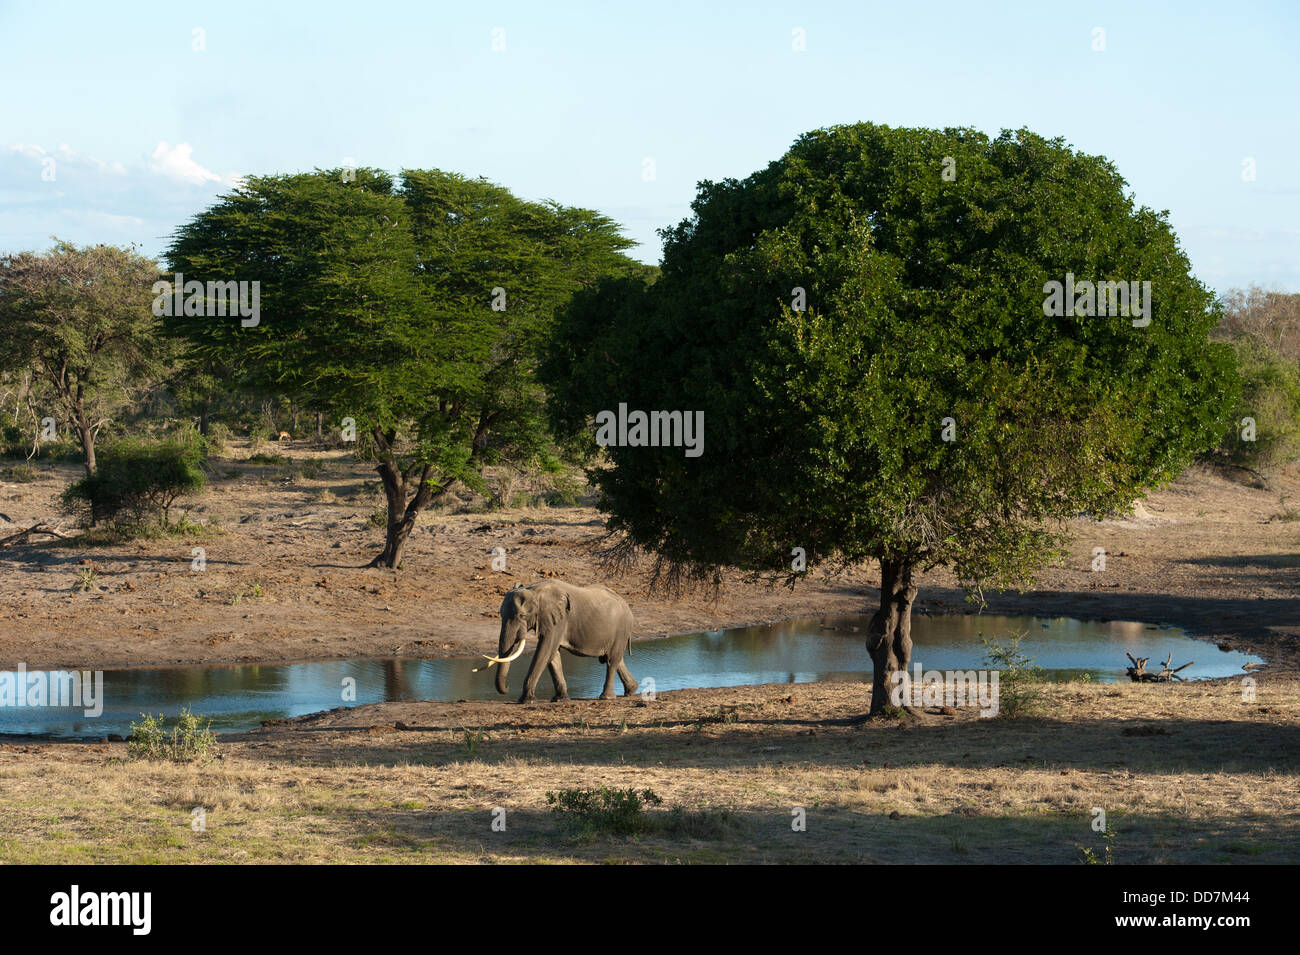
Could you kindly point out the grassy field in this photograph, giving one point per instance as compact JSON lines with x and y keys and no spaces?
{"x":1185,"y":773}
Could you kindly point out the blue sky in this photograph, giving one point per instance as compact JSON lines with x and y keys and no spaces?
{"x":145,"y":130}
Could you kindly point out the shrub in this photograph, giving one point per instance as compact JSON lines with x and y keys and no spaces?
{"x":189,"y":740}
{"x":19,"y":474}
{"x":11,"y":437}
{"x":218,"y":437}
{"x":1018,"y":684}
{"x":267,"y":457}
{"x":622,"y":812}
{"x":1270,"y":395}
{"x":618,"y":811}
{"x":137,"y":481}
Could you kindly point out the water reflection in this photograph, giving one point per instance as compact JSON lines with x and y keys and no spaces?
{"x":792,"y":651}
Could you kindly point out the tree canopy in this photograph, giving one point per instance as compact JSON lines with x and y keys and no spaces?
{"x":864,"y":324}
{"x":80,"y":317}
{"x":415,"y":307}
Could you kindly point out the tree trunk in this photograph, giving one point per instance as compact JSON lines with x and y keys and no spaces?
{"x":203,"y":420}
{"x":401,"y":513}
{"x":889,"y":636}
{"x":320,"y":428}
{"x":76,"y":403}
{"x":86,"y":435}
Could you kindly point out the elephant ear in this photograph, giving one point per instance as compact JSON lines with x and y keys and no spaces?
{"x":553,"y":614}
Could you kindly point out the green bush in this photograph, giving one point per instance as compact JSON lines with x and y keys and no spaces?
{"x":189,"y":740}
{"x":1270,"y":395}
{"x":19,"y":473}
{"x":1019,"y":690}
{"x":11,"y":437}
{"x":218,"y":438}
{"x":623,"y":812}
{"x":267,"y":457}
{"x":137,"y":480}
{"x":618,"y":811}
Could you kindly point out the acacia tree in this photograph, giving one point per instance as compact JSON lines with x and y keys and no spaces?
{"x":863,"y":324}
{"x":80,"y":319}
{"x":414,"y":308}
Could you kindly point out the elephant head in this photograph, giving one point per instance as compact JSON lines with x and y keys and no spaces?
{"x":525,"y":611}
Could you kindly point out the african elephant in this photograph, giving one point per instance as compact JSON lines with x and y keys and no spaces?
{"x":586,"y":621}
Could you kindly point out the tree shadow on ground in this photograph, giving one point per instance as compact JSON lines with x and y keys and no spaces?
{"x":1158,"y":744}
{"x":830,"y":835}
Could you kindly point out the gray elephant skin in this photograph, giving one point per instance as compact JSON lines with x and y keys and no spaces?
{"x":587,"y":621}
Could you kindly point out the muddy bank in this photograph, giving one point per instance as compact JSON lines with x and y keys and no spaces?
{"x":284,"y":577}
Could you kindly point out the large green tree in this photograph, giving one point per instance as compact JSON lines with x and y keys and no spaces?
{"x":863,"y":325}
{"x":80,"y":318}
{"x":414,"y":307}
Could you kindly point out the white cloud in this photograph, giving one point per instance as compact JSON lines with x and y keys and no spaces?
{"x":66,"y":154}
{"x":56,"y":190}
{"x":177,"y":163}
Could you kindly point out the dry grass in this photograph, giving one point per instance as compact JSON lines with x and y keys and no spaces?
{"x":1185,"y":774}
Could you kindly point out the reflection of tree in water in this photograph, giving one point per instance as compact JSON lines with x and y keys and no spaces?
{"x":396,"y":684}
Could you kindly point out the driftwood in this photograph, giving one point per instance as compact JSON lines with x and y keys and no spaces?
{"x":22,"y":536}
{"x":1138,"y":671}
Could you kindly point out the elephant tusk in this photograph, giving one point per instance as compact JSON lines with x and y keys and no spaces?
{"x":495,"y":660}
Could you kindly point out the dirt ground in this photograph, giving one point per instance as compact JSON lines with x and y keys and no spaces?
{"x":1197,"y":772}
{"x":285,"y":576}
{"x":1186,"y":773}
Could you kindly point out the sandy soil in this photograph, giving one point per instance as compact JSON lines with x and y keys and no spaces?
{"x":285,"y":576}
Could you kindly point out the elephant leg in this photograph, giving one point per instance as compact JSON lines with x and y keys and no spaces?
{"x":557,"y":675}
{"x":629,"y":683}
{"x":546,"y":651}
{"x":608,"y":693}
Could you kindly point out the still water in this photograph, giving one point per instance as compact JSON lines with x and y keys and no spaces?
{"x":793,"y":651}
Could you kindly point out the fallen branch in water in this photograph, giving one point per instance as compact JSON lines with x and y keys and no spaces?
{"x":1138,"y":671}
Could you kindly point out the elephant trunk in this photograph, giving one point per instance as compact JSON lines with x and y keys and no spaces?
{"x":504,"y":659}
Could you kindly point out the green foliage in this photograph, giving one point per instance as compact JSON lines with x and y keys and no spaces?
{"x":377,"y":303}
{"x":1270,"y":395}
{"x":625,"y":812}
{"x":19,"y":473}
{"x":1019,"y":682}
{"x":218,"y":437}
{"x":267,"y":457}
{"x":138,"y":480}
{"x":190,"y":740}
{"x":605,"y":810}
{"x":80,"y":319}
{"x":924,"y":301}
{"x":1090,"y":856}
